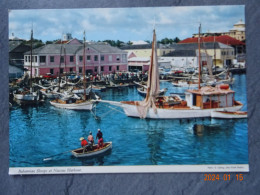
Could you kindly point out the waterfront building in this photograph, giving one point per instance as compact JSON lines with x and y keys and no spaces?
{"x":183,"y":59}
{"x":16,"y":57}
{"x":222,"y":54}
{"x":144,"y":50}
{"x":237,"y":32}
{"x":138,"y":64}
{"x":100,"y":58}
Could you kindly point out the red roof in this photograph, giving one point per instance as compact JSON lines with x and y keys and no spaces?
{"x":225,"y":39}
{"x":61,"y":42}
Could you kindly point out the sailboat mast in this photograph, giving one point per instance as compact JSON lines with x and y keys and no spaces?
{"x":60,"y":64}
{"x":215,"y":52}
{"x":199,"y":58}
{"x":31,"y":60}
{"x":65,"y":65}
{"x":149,"y":83}
{"x":84,"y":71}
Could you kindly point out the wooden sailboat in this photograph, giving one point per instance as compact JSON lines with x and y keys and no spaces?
{"x":198,"y":102}
{"x":76,"y":102}
{"x":229,"y":115}
{"x":27,"y":96}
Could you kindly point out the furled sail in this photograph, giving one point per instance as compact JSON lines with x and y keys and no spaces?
{"x":153,"y":85}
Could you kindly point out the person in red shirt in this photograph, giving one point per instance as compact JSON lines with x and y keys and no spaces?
{"x":84,"y":143}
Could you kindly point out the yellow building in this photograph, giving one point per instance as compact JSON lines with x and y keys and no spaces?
{"x":144,"y":50}
{"x":237,"y":32}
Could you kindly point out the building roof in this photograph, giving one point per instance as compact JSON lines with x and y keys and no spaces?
{"x":240,"y":22}
{"x":140,"y":42}
{"x":18,"y":47}
{"x":56,"y":49}
{"x":75,"y":48}
{"x":225,"y":39}
{"x":194,"y":46}
{"x":104,"y":48}
{"x":140,"y":46}
{"x":181,"y":53}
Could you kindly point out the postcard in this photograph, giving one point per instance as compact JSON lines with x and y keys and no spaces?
{"x":128,"y":90}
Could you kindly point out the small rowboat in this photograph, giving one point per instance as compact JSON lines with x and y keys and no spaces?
{"x":228,"y":115}
{"x":79,"y":152}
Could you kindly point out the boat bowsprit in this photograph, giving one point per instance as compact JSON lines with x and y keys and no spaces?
{"x":79,"y":152}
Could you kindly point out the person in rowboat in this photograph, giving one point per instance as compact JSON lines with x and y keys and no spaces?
{"x":100,"y":138}
{"x":84,"y":143}
{"x":90,"y":141}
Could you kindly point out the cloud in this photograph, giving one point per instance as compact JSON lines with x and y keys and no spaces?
{"x":123,"y":23}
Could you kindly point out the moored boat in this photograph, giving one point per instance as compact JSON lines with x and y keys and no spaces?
{"x":73,"y":104}
{"x":197,"y":103}
{"x":50,"y":94}
{"x":76,"y":101}
{"x":188,"y":84}
{"x":97,"y":88}
{"x":142,"y":91}
{"x":96,"y":151}
{"x":228,"y":115}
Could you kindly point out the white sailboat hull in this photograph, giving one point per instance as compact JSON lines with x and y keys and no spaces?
{"x":74,"y":106}
{"x":81,"y":91}
{"x":131,"y":111}
{"x":229,"y":115}
{"x":26,"y":97}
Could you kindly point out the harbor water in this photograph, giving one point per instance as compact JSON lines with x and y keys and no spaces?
{"x":38,"y":132}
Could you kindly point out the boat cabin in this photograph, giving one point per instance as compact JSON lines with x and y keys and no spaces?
{"x":210,"y":97}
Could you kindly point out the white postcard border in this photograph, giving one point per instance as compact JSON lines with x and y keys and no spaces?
{"x":129,"y":169}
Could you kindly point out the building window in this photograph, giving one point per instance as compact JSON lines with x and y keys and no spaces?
{"x":42,"y":59}
{"x":110,"y":68}
{"x":88,"y":57}
{"x":102,"y":68}
{"x":80,"y":70}
{"x":71,"y":69}
{"x":117,"y":58}
{"x":80,"y":58}
{"x":110,"y":58}
{"x":25,"y":58}
{"x":71,"y":58}
{"x":96,"y":69}
{"x":62,"y":59}
{"x":52,"y":59}
{"x":117,"y":68}
{"x":102,"y":58}
{"x":61,"y":70}
{"x":124,"y":57}
{"x":51,"y":71}
{"x":96,"y":58}
{"x":35,"y":58}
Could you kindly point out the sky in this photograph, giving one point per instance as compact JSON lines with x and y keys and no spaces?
{"x":125,"y":24}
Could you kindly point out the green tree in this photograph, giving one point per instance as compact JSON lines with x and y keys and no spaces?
{"x":176,"y":40}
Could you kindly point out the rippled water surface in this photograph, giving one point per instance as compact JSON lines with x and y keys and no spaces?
{"x":42,"y":131}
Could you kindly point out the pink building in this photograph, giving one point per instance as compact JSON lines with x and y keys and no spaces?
{"x":100,"y":58}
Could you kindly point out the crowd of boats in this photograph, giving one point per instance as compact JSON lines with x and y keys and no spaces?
{"x":208,"y":98}
{"x":206,"y":95}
